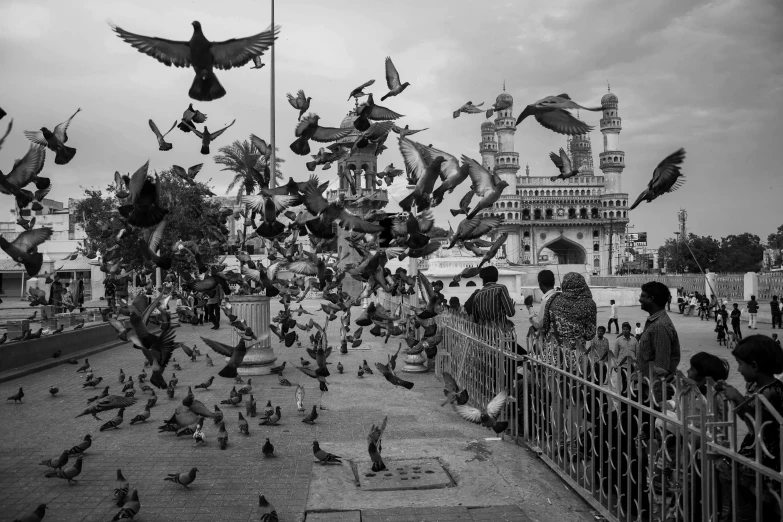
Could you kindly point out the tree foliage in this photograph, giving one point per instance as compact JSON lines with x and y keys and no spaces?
{"x":775,"y":240}
{"x":438,"y":232}
{"x":187,"y":203}
{"x":734,"y":253}
{"x":242,"y":158}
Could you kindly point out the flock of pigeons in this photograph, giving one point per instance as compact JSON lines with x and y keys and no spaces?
{"x":376,"y":236}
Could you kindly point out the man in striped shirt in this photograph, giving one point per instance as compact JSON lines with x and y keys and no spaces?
{"x":492,"y":302}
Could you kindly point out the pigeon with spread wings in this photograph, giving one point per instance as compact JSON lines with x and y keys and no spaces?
{"x":667,"y":177}
{"x":24,"y":249}
{"x":191,"y":116}
{"x":236,"y":353}
{"x":299,"y":102}
{"x":563,"y":164}
{"x":326,"y":213}
{"x":144,"y":208}
{"x":202,"y":55}
{"x":424,"y":168}
{"x":487,"y":416}
{"x":369,"y":111}
{"x":359,"y":91}
{"x":308,"y":129}
{"x":208,"y":137}
{"x":150,"y":243}
{"x":488,"y":187}
{"x":468,"y":108}
{"x":472,"y":228}
{"x":55,"y":141}
{"x":393,"y":80}
{"x":551,"y":113}
{"x":452,"y":392}
{"x":22,"y":174}
{"x":188,"y":176}
{"x":162,"y":144}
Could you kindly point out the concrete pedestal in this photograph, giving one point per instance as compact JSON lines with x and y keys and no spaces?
{"x":416,"y":363}
{"x":254,"y":310}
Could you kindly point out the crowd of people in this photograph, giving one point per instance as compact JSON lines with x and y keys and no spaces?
{"x":68,"y":295}
{"x":567,"y":316}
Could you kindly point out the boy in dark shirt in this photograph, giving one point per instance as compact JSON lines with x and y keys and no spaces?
{"x":774,"y":306}
{"x":753,"y":309}
{"x":735,"y":321}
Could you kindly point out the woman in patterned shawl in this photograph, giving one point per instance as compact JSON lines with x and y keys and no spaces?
{"x":571,"y":315}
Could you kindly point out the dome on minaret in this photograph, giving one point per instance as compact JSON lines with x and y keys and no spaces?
{"x":488,"y":125}
{"x":609,"y":98}
{"x":504,"y":97}
{"x":349,"y":119}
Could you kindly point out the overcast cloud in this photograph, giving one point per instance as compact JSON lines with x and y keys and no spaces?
{"x":706,"y":76}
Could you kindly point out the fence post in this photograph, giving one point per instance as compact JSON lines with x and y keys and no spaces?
{"x":709,"y":284}
{"x":751,"y":285}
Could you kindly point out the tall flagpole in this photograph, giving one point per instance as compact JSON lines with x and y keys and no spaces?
{"x":273,"y":159}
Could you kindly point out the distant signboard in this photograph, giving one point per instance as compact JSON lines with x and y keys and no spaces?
{"x":632,"y":237}
{"x":641,"y":239}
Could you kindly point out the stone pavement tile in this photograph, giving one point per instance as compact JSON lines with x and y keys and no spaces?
{"x":511,"y":513}
{"x":423,"y":514}
{"x":335,"y":516}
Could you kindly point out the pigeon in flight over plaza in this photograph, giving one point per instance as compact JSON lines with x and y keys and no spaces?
{"x":666,"y":178}
{"x":424,"y":168}
{"x":144,"y":209}
{"x":563,"y":163}
{"x":189,"y":117}
{"x":202,"y":55}
{"x":308,"y":129}
{"x":486,"y":416}
{"x":468,"y":108}
{"x":369,"y":111}
{"x":300,"y":102}
{"x":257,"y":63}
{"x":188,"y":176}
{"x":551,"y":113}
{"x":488,"y":187}
{"x":406,"y":131}
{"x":501,"y":103}
{"x":208,"y":137}
{"x":24,"y":249}
{"x":24,"y":172}
{"x":162,"y":144}
{"x":393,"y":80}
{"x":55,"y":141}
{"x":359,"y":91}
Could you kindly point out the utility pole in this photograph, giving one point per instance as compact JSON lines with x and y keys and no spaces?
{"x":677,"y":244}
{"x":273,"y":158}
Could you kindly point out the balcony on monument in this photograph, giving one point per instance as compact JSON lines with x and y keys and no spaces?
{"x":380,"y":196}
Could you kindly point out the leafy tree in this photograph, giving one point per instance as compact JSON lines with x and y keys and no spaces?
{"x":248,"y":166}
{"x":438,"y":232}
{"x":742,"y":253}
{"x":187,"y":203}
{"x":735,"y":253}
{"x":775,"y":240}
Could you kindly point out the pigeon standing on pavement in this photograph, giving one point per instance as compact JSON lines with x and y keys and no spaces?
{"x":183,"y":479}
{"x":202,"y":55}
{"x":40,"y":511}
{"x":130,"y":509}
{"x":17,"y":397}
{"x":69,"y":473}
{"x":268,"y":449}
{"x":56,"y":462}
{"x":244,"y":427}
{"x":324,"y":457}
{"x":310,"y":418}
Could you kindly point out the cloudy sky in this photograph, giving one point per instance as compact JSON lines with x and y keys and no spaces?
{"x":706,"y":76}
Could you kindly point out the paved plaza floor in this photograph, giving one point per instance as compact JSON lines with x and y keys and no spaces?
{"x":493,"y":480}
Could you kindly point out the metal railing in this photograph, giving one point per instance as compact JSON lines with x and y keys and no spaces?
{"x":770,"y":283}
{"x":691,"y":283}
{"x":730,"y":285}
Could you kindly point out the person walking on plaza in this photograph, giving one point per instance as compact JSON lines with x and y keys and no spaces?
{"x":491,"y":304}
{"x":612,"y":318}
{"x":626,"y":344}
{"x":753,"y":310}
{"x":774,"y":307}
{"x":659,"y":344}
{"x":570,"y":316}
{"x":213,"y":306}
{"x":638,"y":331}
{"x":735,"y":321}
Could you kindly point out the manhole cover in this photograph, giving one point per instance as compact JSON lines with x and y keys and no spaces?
{"x":403,"y":474}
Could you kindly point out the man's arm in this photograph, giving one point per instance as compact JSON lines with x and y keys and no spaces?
{"x":662,"y":346}
{"x":469,"y":303}
{"x":506,"y":302}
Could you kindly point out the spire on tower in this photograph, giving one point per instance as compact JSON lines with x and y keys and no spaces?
{"x":608,"y":88}
{"x":504,"y":85}
{"x":527,"y":169}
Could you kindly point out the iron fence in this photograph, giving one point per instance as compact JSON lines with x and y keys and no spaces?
{"x":770,"y":283}
{"x":731,"y":286}
{"x":691,"y":283}
{"x":635,"y":447}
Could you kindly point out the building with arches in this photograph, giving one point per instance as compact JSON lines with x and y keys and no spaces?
{"x":570,"y":221}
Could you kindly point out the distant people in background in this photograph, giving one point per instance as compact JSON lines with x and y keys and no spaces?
{"x":492,"y":303}
{"x":454,"y":305}
{"x":714,"y":306}
{"x":213,"y":306}
{"x":669,"y":303}
{"x":638,"y":331}
{"x":704,"y":308}
{"x":720,"y":329}
{"x":570,"y":315}
{"x":613,"y":318}
{"x":753,"y":310}
{"x":108,"y":293}
{"x":735,"y":321}
{"x":724,"y":314}
{"x":692,"y":304}
{"x":78,"y":291}
{"x":626,"y":345}
{"x":121,"y":287}
{"x":55,"y":294}
{"x":774,"y":307}
{"x":599,"y":346}
{"x":775,"y":338}
{"x":681,"y":301}
{"x":66,"y":298}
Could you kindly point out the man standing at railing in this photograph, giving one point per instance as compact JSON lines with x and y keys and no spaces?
{"x":546,"y":282}
{"x":659,"y":345}
{"x":492,"y":302}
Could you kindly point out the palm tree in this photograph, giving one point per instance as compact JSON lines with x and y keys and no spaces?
{"x":248,"y":167}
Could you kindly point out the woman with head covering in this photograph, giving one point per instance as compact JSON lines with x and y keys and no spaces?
{"x":571,"y":315}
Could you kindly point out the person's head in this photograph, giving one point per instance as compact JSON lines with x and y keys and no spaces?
{"x":774,"y":337}
{"x":774,"y":298}
{"x":454,"y":303}
{"x":529,"y":300}
{"x":611,"y":302}
{"x":627,"y":329}
{"x":489,"y":274}
{"x":705,"y":365}
{"x":437,"y":286}
{"x":712,"y":296}
{"x":758,"y":355}
{"x":735,"y":306}
{"x":753,"y":298}
{"x":654,"y":296}
{"x":601,"y":332}
{"x":546,"y":280}
{"x":723,"y":307}
{"x":638,"y":325}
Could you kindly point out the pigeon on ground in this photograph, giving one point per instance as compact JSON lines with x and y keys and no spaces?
{"x":206,"y":384}
{"x":222,"y":436}
{"x":109,"y":402}
{"x":183,"y":479}
{"x":82,"y":446}
{"x":115,"y":422}
{"x":324,"y":457}
{"x":121,"y":494}
{"x":244,"y":427}
{"x":268,"y":449}
{"x":56,"y":462}
{"x":68,"y":473}
{"x":131,"y":507}
{"x":53,"y":390}
{"x":55,"y":141}
{"x":40,"y":511}
{"x":202,"y":55}
{"x":310,"y":418}
{"x":17,"y":397}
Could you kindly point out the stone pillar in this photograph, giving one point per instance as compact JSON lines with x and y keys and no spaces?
{"x":709,"y":284}
{"x":416,"y":363}
{"x":751,"y":285}
{"x":254,"y":310}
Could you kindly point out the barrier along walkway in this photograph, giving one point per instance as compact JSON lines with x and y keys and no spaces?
{"x":634,"y":446}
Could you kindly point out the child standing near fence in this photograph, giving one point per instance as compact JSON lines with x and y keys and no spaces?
{"x":720,"y":328}
{"x":758,"y":359}
{"x":735,"y":320}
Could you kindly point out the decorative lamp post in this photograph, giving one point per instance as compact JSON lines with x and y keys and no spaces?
{"x":255,"y":311}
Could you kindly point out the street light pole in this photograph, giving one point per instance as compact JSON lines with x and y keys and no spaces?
{"x":677,"y":262}
{"x":273,"y":158}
